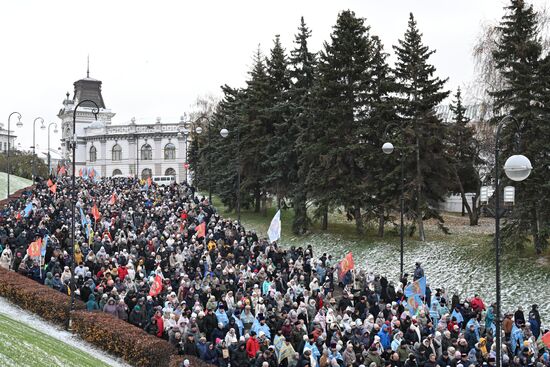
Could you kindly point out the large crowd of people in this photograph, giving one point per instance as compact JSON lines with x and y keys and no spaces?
{"x":231,"y":298}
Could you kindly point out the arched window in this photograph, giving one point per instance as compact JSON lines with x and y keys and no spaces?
{"x":146,"y":173}
{"x":117,"y":153}
{"x":146,"y":153}
{"x":117,"y":172}
{"x":170,"y":151}
{"x":93,"y":154}
{"x":170,"y":172}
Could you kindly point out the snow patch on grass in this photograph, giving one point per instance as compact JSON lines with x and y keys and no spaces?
{"x":40,"y":351}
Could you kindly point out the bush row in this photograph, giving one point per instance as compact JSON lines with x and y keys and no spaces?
{"x":37,"y":298}
{"x":103,"y":330}
{"x":122,"y":339}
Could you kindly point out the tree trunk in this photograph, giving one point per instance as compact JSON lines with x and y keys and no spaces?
{"x":419,"y":215}
{"x":257,"y":203}
{"x":381,"y":221}
{"x":537,"y":238}
{"x":471,"y":214}
{"x":264,"y":205}
{"x":474,"y":218}
{"x":358,"y":220}
{"x":324,"y":219}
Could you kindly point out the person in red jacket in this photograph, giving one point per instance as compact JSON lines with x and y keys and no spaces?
{"x":477,"y":304}
{"x":160,"y":323}
{"x":252,"y":345}
{"x":122,"y":272}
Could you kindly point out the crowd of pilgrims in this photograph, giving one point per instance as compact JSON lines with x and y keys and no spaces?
{"x":232,"y":298}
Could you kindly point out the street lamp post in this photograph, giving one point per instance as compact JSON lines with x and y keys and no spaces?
{"x":19,"y":124}
{"x":185,"y":134}
{"x":517,"y":168}
{"x":72,"y":287}
{"x":198,"y":130}
{"x":388,"y":148}
{"x":49,"y":156}
{"x":42,"y":126}
{"x":224,"y":133}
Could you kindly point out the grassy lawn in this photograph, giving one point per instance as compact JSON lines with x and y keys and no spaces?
{"x":16,"y":183}
{"x":340,"y":229}
{"x":22,"y":346}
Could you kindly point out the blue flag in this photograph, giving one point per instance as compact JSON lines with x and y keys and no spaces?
{"x":416,"y":288}
{"x":83,"y":220}
{"x":44,"y":245}
{"x":27,"y":210}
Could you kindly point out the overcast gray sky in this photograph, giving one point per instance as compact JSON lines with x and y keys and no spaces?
{"x":156,"y":57}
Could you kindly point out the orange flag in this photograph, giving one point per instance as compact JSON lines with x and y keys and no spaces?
{"x":201,"y":230}
{"x":35,"y":248}
{"x":53,"y":188}
{"x":50,"y":183}
{"x":62,"y":170}
{"x":546,"y":339}
{"x":345,"y":265}
{"x":156,"y":287}
{"x":80,"y":172}
{"x":113,"y":199}
{"x":95,"y":213}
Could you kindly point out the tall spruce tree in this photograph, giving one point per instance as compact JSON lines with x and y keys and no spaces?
{"x":256,"y":130}
{"x":419,"y":91}
{"x":382,"y":171}
{"x":525,"y":96}
{"x":222,"y":154}
{"x":279,"y":158}
{"x":336,"y":165}
{"x":302,"y":73}
{"x":463,"y":150}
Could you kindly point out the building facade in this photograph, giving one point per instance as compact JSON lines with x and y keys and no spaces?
{"x":4,"y":143}
{"x":151,"y":149}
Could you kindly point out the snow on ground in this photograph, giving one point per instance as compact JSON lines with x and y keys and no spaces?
{"x":16,"y":313}
{"x":16,"y":183}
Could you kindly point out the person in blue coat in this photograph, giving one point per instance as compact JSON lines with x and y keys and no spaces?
{"x":385,"y":338}
{"x":516,"y":339}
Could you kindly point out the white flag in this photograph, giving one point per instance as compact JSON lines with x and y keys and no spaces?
{"x":274,"y":231}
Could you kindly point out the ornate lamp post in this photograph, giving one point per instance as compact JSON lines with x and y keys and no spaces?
{"x":517,"y":168}
{"x":388,"y":148}
{"x":49,"y":156}
{"x":19,"y":124}
{"x":224,"y":133}
{"x":73,"y":142}
{"x":42,"y":127}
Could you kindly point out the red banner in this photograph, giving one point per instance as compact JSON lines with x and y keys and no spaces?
{"x":156,"y":287}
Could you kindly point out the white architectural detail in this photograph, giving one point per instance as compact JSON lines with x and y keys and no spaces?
{"x":111,"y":148}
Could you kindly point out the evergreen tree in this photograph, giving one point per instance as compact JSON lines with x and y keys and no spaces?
{"x":464,"y":154}
{"x":525,"y":96}
{"x":279,"y":157}
{"x":423,"y":133}
{"x":335,"y":160}
{"x":302,"y":72}
{"x":224,"y":152}
{"x":383,"y":173}
{"x":256,"y":130}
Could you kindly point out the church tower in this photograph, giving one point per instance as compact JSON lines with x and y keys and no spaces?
{"x":84,"y":89}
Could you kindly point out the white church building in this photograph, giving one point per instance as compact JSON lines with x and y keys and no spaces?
{"x":152,"y":149}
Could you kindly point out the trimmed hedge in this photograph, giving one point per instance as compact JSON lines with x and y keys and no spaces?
{"x":122,"y":339}
{"x":176,"y":361}
{"x":46,"y":302}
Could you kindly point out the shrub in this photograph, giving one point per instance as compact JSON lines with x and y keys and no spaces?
{"x":48,"y":303}
{"x":122,"y":339}
{"x":176,"y":361}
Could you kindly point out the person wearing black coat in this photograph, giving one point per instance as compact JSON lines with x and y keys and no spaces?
{"x":238,"y":356}
{"x":190,"y":347}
